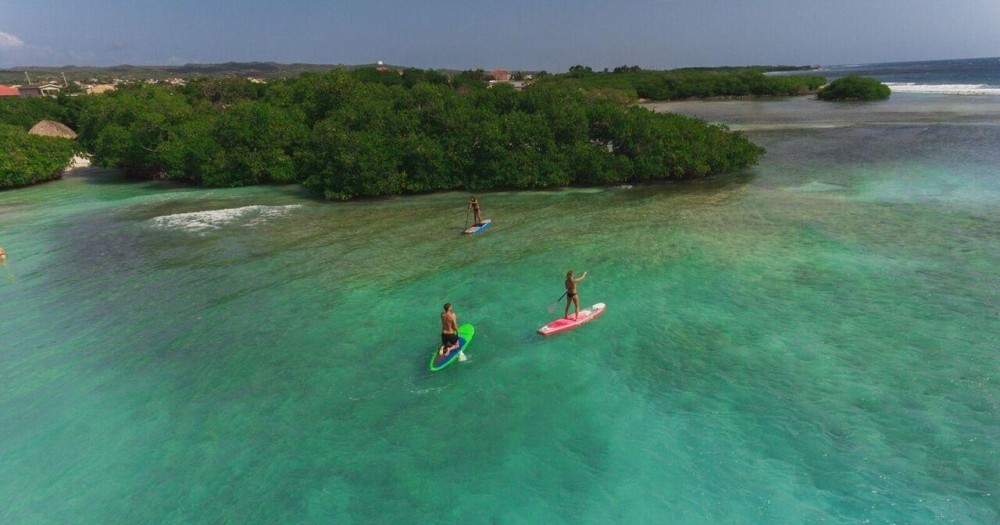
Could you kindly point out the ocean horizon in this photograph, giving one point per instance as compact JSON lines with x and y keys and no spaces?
{"x":965,"y":76}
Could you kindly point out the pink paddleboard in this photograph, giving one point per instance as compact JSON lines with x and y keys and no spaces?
{"x":564,"y":324}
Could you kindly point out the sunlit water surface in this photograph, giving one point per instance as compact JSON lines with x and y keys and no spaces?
{"x":812,"y":341}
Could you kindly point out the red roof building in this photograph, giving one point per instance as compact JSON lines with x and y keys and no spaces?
{"x":501,"y":75}
{"x":6,"y":91}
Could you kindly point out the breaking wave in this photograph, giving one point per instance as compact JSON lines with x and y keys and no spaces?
{"x":247,"y":216}
{"x":944,"y":89}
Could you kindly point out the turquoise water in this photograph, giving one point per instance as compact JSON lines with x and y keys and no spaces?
{"x":812,"y":341}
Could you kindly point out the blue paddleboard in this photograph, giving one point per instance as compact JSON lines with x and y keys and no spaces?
{"x":476,"y":228}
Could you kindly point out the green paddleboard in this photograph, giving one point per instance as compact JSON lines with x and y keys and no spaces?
{"x":465,"y":333}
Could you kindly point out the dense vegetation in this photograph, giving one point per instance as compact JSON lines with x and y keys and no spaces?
{"x":126,"y":72}
{"x":633,"y":82}
{"x":26,"y":159}
{"x":26,"y":112}
{"x":855,"y":88}
{"x":364,"y":132}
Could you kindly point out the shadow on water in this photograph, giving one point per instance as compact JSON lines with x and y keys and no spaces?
{"x":717,"y":183}
{"x":97,"y":175}
{"x":711,"y":184}
{"x":114,"y":176}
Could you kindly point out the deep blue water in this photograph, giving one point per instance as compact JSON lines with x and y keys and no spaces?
{"x":963,"y":76}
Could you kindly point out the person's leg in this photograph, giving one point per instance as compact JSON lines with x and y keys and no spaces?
{"x":576,"y":303}
{"x":569,"y":300}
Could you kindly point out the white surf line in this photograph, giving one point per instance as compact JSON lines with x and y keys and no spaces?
{"x":214,"y":219}
{"x":944,"y":89}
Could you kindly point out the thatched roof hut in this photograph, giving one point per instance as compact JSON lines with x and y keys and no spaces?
{"x":51,"y":128}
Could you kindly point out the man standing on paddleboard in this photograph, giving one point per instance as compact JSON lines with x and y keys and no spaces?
{"x":571,"y":295}
{"x":449,"y":331}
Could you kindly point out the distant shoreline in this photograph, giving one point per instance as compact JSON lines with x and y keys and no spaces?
{"x":723,"y":98}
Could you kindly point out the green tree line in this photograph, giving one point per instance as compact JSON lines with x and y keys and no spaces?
{"x":26,"y":112}
{"x":855,"y":87}
{"x":686,"y":83}
{"x":28,"y":159}
{"x":364,"y":132}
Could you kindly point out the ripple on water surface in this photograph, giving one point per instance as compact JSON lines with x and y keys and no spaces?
{"x":811,"y":341}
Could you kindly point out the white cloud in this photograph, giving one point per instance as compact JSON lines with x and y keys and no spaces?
{"x":9,"y":41}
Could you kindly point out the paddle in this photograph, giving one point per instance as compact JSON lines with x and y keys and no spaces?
{"x":552,"y":307}
{"x":467,"y":218}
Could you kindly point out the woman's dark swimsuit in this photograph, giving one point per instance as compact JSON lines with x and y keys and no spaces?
{"x":570,"y":295}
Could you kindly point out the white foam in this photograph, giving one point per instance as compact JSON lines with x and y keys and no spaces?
{"x":422,"y":391}
{"x":944,"y":89}
{"x":784,"y":126}
{"x":816,"y":186}
{"x":247,"y":216}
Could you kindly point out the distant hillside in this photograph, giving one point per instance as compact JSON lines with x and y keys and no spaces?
{"x":124,"y":72}
{"x":15,"y":75}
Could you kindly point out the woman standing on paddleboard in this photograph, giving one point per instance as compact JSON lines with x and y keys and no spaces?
{"x":474,"y":207}
{"x":571,"y":295}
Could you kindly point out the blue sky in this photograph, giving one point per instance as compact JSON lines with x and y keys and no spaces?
{"x":514,"y":34}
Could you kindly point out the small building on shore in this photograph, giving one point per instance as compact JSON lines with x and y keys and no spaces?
{"x":500,"y":75}
{"x":97,"y":89}
{"x":516,"y":84}
{"x":7,"y":91}
{"x":38,"y":90}
{"x":51,"y":128}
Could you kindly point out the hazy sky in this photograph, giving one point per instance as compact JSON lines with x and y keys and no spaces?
{"x":514,"y":34}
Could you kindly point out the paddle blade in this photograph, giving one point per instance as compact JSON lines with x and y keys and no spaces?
{"x":552,"y":307}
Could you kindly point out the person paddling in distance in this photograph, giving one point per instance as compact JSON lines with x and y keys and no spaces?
{"x":571,"y":296}
{"x":449,"y":331}
{"x":474,"y":206}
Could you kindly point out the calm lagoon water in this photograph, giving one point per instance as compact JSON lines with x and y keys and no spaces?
{"x":812,"y":341}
